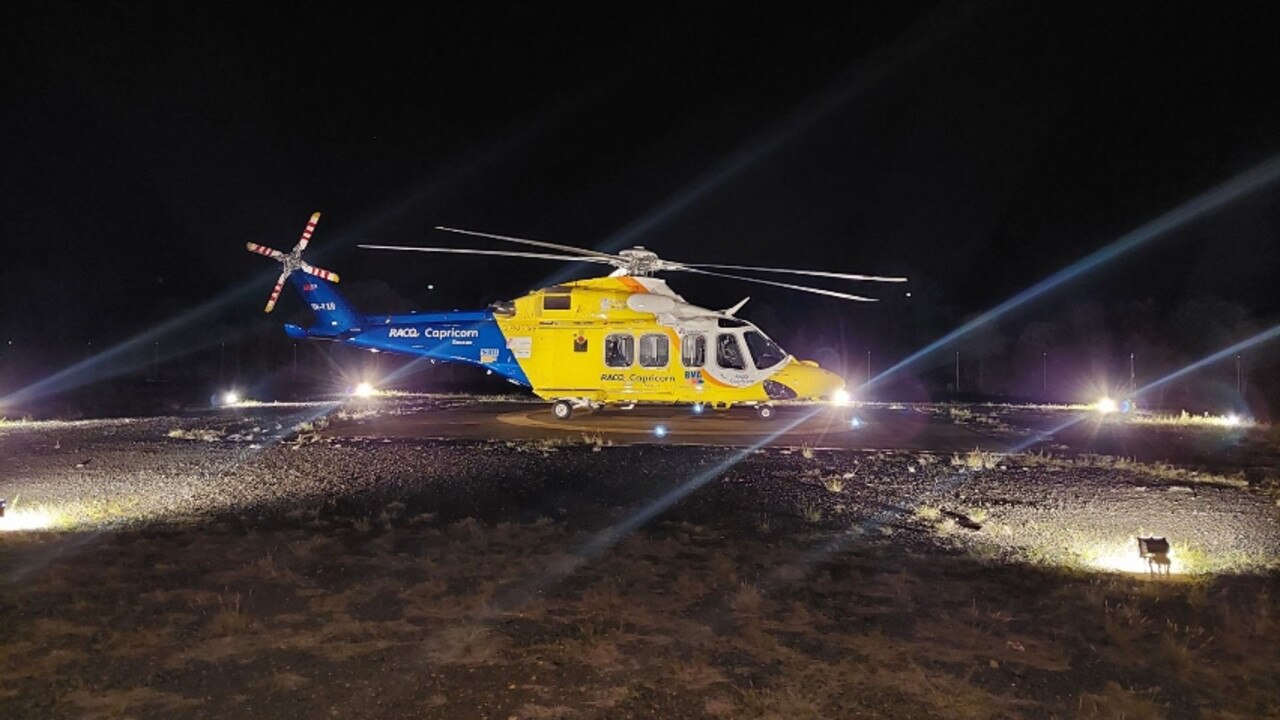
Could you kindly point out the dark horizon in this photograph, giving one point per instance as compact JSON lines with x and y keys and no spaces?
{"x":977,"y":150}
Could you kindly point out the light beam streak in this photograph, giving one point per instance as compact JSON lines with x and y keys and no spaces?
{"x":1247,"y":182}
{"x":606,"y":539}
{"x":839,"y":543}
{"x":850,"y":86}
{"x":1219,"y":356}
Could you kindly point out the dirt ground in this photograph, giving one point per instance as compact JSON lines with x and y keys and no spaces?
{"x":454,"y":579}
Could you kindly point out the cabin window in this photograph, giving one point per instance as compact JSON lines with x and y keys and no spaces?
{"x":619,"y":350}
{"x":556,"y":298}
{"x":729,"y":352}
{"x":763,"y":350}
{"x":693,"y":350}
{"x":655,"y":350}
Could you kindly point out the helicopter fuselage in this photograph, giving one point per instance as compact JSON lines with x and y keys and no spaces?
{"x":600,"y":341}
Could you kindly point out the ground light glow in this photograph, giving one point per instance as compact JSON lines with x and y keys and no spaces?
{"x":1106,"y":406}
{"x":230,"y":397}
{"x":841,"y":397}
{"x":364,"y":390}
{"x":19,"y":519}
{"x":1121,"y":555}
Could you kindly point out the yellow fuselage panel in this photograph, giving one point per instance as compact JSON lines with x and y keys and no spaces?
{"x":558,"y":336}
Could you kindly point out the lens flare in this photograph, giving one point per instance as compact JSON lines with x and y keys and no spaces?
{"x":841,"y":397}
{"x":1106,"y":406}
{"x":1238,"y":186}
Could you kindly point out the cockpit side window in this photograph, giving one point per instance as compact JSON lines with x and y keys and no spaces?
{"x":764,"y":351}
{"x":729,"y":352}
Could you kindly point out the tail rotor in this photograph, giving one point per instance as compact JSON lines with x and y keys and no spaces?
{"x":292,"y":261}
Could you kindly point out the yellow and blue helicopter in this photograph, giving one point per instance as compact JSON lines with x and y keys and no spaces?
{"x":618,"y":340}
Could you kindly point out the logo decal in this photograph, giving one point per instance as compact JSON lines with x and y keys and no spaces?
{"x":488,"y":355}
{"x":521,"y":347}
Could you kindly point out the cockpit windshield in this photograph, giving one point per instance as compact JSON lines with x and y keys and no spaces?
{"x":763,"y":350}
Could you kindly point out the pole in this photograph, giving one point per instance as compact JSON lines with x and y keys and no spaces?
{"x":155,"y":361}
{"x":295,"y":361}
{"x":1043,"y":374}
{"x":868,"y":367}
{"x":1133,"y":385}
{"x":957,"y":372}
{"x":222,"y":362}
{"x":1239,"y":377}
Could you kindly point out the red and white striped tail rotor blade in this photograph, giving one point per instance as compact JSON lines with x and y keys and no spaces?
{"x":273,"y":254}
{"x":275,"y":293}
{"x":319,"y":272}
{"x":306,"y":233}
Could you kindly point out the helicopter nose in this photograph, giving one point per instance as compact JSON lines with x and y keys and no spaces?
{"x":809,"y":382}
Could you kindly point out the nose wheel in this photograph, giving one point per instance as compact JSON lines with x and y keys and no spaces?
{"x":766,"y":412}
{"x":562,"y":409}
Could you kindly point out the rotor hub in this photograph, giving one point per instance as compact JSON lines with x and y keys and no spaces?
{"x":640,"y":261}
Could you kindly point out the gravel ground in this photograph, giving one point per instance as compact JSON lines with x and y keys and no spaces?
{"x":238,"y":565}
{"x":254,"y":461}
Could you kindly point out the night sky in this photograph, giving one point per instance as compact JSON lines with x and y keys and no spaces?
{"x":976,"y":148}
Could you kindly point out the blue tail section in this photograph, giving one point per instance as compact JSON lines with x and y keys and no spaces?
{"x":468,"y":337}
{"x":334,"y":316}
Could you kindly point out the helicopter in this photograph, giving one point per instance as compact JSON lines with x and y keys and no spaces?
{"x":622,"y":339}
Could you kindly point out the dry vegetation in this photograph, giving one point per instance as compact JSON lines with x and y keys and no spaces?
{"x":390,"y":613}
{"x":474,"y":580}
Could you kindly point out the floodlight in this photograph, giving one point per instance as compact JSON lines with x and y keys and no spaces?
{"x":1106,"y":406}
{"x":1231,"y":420}
{"x":230,"y":397}
{"x":364,"y":390}
{"x":1155,"y":550}
{"x":840,"y":398}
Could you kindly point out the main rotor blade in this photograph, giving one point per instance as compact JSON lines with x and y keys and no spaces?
{"x":503,"y":253}
{"x":788,"y":286}
{"x":318,"y":272}
{"x":275,"y":293}
{"x":813,"y":273}
{"x":535,"y":243}
{"x":273,"y":254}
{"x":306,"y":232}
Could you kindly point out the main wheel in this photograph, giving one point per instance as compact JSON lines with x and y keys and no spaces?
{"x":562,"y":409}
{"x":765,"y":411}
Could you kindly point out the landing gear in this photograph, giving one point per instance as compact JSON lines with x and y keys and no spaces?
{"x":562,"y":409}
{"x":765,"y":412}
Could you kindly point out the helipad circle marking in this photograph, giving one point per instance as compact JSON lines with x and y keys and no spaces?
{"x":675,"y":426}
